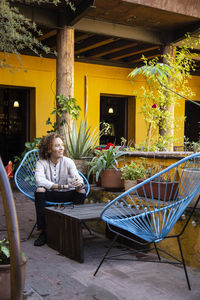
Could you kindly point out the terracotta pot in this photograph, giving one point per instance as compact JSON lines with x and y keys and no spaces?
{"x":170,"y":189}
{"x":129,"y":184}
{"x":81,"y":165}
{"x":111,"y":179}
{"x":5,"y":290}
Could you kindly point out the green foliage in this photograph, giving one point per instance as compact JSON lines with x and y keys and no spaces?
{"x":133,"y":171}
{"x":17,"y":32}
{"x":81,"y":141}
{"x":104,"y":159}
{"x":191,"y":146}
{"x":65,"y":105}
{"x":4,"y":252}
{"x":156,"y":99}
{"x":28,"y":146}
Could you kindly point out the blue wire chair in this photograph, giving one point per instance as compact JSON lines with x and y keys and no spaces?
{"x":140,"y":212}
{"x":25,"y":179}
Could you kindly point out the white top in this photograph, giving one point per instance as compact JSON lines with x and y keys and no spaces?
{"x":48,"y":173}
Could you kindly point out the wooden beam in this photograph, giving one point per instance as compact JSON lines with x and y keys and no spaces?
{"x":47,"y":35}
{"x":83,"y":37}
{"x":117,"y":30}
{"x":185,"y":7}
{"x":134,"y":52}
{"x":41,"y":16}
{"x":53,"y":18}
{"x":108,"y":50}
{"x":147,"y":56}
{"x":104,"y":62}
{"x":95,"y":45}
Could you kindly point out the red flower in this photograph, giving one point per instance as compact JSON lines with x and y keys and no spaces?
{"x":154,"y":105}
{"x":109,"y":145}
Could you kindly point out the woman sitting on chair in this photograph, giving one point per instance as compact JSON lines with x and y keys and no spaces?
{"x":57,"y":179}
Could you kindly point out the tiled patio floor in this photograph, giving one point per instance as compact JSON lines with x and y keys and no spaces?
{"x":53,"y":276}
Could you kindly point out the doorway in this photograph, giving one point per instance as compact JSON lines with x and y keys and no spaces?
{"x":114,"y":119}
{"x":192,"y":122}
{"x":14,"y":121}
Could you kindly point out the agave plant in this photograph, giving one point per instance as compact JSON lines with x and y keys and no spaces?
{"x":81,"y":141}
{"x":104,"y":159}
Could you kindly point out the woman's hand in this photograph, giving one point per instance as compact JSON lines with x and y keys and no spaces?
{"x":77,"y":184}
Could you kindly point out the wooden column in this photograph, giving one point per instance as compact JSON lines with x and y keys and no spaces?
{"x":169,"y":50}
{"x":65,"y":68}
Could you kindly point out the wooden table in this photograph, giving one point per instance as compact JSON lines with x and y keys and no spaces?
{"x":64,"y":228}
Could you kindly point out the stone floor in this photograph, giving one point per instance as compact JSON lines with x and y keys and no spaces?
{"x":50,"y":275}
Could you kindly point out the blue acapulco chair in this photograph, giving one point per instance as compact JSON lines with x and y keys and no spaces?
{"x":140,"y":212}
{"x":25,"y":179}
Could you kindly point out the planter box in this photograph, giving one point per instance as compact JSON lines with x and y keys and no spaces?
{"x":170,"y":188}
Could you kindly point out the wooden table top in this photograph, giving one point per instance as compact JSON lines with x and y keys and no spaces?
{"x":80,"y":212}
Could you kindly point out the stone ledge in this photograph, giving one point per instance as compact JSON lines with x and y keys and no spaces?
{"x":164,"y":154}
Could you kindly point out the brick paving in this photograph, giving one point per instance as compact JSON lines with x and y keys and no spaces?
{"x":50,"y":275}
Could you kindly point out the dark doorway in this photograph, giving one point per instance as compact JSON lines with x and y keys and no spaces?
{"x":114,"y":118}
{"x":192,"y":122}
{"x":14,"y":121}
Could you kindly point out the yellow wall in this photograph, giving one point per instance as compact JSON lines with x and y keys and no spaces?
{"x":41,"y":75}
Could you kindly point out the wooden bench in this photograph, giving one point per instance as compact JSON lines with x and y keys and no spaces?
{"x":64,"y":228}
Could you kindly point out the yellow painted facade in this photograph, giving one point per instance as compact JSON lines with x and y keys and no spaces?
{"x":40,"y":75}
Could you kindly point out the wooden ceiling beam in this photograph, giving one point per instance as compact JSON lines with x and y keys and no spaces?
{"x":39,"y":15}
{"x":108,"y":50}
{"x":117,"y":30}
{"x":95,"y":45}
{"x":55,"y":17}
{"x":148,"y":57}
{"x":47,"y":35}
{"x":83,"y":37}
{"x":135,"y":52}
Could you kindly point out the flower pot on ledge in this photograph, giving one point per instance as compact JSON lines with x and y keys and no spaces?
{"x":111,"y":179}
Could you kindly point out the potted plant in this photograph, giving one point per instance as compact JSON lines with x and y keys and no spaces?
{"x":131,"y":173}
{"x":5,"y":292}
{"x":80,"y":143}
{"x":105,"y":162}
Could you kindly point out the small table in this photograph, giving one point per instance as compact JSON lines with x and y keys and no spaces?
{"x":64,"y":228}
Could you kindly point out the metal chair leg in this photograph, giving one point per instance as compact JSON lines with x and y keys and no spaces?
{"x":104,"y":257}
{"x":31,"y":231}
{"x":159,"y":258}
{"x":183,"y":262}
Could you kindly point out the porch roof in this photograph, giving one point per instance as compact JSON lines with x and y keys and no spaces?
{"x":118,"y":32}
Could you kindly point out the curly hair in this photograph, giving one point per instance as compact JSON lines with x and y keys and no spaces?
{"x":46,"y":143}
